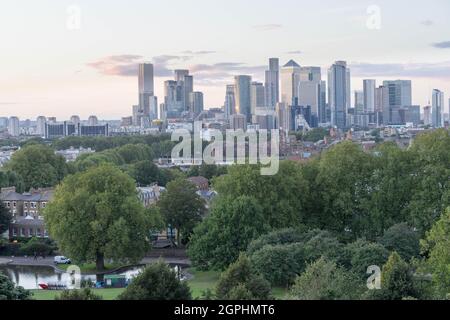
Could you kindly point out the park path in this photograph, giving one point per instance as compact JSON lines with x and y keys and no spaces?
{"x":48,"y":261}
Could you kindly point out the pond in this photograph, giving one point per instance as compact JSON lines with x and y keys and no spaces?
{"x":29,"y":277}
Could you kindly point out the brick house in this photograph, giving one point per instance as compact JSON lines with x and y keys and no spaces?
{"x":26,"y":208}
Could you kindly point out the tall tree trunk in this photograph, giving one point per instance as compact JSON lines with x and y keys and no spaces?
{"x":100,"y":261}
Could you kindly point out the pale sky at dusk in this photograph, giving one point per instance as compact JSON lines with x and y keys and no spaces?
{"x":49,"y":69}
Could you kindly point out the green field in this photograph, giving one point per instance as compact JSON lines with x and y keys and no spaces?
{"x":202,"y":280}
{"x":107,"y":294}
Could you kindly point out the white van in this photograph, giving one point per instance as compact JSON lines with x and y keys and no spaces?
{"x":61,"y":260}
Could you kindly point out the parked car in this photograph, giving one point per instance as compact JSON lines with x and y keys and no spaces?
{"x":61,"y":260}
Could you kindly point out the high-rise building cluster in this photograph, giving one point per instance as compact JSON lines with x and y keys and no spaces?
{"x":291,"y":98}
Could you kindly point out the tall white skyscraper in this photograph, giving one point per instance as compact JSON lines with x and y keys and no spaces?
{"x":13,"y":126}
{"x":339,"y":93}
{"x":242,"y":93}
{"x":290,"y":79}
{"x":437,"y":108}
{"x":369,"y":86}
{"x":272,"y":84}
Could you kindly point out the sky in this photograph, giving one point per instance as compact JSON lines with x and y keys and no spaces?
{"x":59,"y":58}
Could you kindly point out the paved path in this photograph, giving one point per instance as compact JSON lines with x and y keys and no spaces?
{"x":4,"y":261}
{"x":48,"y":261}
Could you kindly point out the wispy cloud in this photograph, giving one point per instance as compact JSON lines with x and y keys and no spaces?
{"x":127,"y":65}
{"x":421,"y":70}
{"x":268,"y":27}
{"x":198,"y":53}
{"x":294,"y":52}
{"x":442,"y":45}
{"x":427,"y":23}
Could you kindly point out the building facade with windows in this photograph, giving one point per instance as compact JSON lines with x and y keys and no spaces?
{"x":26,"y":209}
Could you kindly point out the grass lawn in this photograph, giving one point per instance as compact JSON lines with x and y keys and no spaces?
{"x":202,"y":280}
{"x":208,"y":279}
{"x":89,"y":267}
{"x":107,"y":294}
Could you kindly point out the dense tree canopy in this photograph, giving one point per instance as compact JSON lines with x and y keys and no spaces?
{"x":38,"y":166}
{"x":97,"y":214}
{"x":229,"y":228}
{"x":436,"y":246}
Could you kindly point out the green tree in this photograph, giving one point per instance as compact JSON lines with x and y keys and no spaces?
{"x":10,"y":178}
{"x":342,"y":185}
{"x":324,"y":280}
{"x":436,"y":246}
{"x":279,"y":264}
{"x":402,"y":239}
{"x":278,"y":195}
{"x":277,"y":237}
{"x":229,"y":228}
{"x":181,"y":207}
{"x":362,"y":254}
{"x":96,"y":214}
{"x":396,"y":279}
{"x":9,"y":291}
{"x":38,"y":166}
{"x":146,"y":173}
{"x":83,"y":294}
{"x":242,"y":282}
{"x":5,"y":218}
{"x":157,"y":282}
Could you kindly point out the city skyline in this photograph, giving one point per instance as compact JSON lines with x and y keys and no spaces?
{"x":91,"y":68}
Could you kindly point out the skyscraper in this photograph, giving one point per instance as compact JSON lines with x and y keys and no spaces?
{"x":437,"y":108}
{"x":173,"y":100}
{"x":272,"y":84}
{"x":196,"y":103}
{"x":310,"y":93}
{"x":339,"y":93}
{"x":230,"y":101}
{"x":242,"y":93}
{"x":290,"y":79}
{"x":257,"y":97}
{"x":427,"y":115}
{"x":399,"y":98}
{"x":146,"y":84}
{"x":369,"y":86}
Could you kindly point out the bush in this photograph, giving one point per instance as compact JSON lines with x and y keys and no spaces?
{"x":242,"y":282}
{"x":157,"y":282}
{"x":36,"y":246}
{"x":84,"y":294}
{"x":9,"y":291}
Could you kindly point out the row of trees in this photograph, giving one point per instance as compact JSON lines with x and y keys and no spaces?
{"x":363,"y":205}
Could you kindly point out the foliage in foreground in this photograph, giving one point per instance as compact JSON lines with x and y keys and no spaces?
{"x":157,"y":282}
